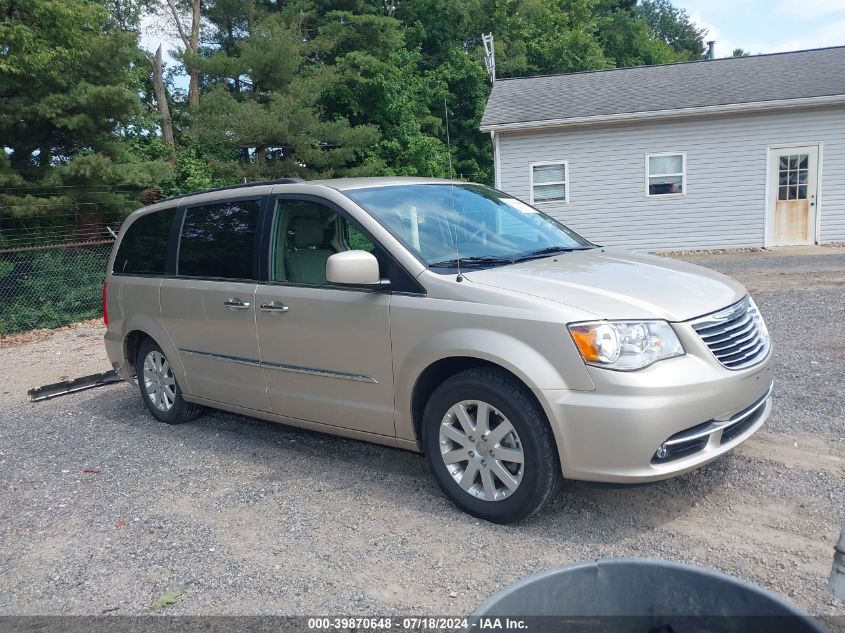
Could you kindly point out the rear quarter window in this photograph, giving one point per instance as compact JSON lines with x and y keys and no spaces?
{"x":143,"y":249}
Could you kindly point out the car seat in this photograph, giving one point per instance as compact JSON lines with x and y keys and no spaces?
{"x":306,"y":255}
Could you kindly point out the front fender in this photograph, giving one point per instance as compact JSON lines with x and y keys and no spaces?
{"x":523,"y":360}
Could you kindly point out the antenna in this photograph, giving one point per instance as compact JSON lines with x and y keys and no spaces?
{"x":448,"y":140}
{"x":452,"y":191}
{"x":489,"y":56}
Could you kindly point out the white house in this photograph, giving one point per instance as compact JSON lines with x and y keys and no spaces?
{"x":726,"y":153}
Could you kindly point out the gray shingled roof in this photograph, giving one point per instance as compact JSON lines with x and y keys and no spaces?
{"x":642,"y":89}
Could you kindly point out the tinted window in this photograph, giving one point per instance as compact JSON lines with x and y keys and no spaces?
{"x":218,"y":240}
{"x":143,"y":250}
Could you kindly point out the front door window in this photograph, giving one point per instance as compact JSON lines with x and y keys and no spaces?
{"x":306,"y":234}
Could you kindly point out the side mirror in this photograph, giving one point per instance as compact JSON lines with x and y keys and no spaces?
{"x":354,"y":268}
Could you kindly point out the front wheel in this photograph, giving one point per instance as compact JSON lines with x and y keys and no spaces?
{"x":159,"y":389}
{"x":489,"y":446}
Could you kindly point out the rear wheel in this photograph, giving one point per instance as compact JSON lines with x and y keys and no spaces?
{"x":159,"y":389}
{"x":489,"y":446}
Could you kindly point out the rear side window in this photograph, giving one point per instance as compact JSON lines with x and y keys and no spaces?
{"x":143,"y":250}
{"x":218,"y":240}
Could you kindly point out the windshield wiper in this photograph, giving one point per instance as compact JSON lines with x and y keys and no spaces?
{"x":550,"y":250}
{"x":480,"y":260}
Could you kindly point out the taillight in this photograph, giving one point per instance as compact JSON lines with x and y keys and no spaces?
{"x":105,"y":306}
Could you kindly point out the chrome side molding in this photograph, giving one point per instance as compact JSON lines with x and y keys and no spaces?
{"x":328,"y":373}
{"x":296,"y":369}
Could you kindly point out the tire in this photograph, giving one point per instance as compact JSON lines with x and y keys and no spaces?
{"x":159,"y":390}
{"x":532,"y":484}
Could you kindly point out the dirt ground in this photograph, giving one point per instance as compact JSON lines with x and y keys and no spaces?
{"x":102,"y":510}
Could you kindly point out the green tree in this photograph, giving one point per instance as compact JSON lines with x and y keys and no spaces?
{"x":263,"y":105}
{"x":375,"y":79}
{"x":69,"y":92}
{"x":532,"y":37}
{"x":626,"y":37}
{"x":674,"y":27}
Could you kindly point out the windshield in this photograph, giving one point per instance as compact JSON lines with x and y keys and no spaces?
{"x":485,"y":227}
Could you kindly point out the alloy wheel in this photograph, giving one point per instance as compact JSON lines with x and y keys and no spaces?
{"x":481,"y":450}
{"x":159,"y":382}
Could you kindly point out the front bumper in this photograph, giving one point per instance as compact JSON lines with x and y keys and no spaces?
{"x":614,"y":433}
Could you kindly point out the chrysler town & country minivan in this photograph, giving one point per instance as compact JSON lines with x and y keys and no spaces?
{"x":446,"y":318}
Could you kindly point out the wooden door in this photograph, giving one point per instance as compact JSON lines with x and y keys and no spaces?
{"x":793,"y":177}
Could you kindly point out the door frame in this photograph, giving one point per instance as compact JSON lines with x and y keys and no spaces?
{"x":769,"y":207}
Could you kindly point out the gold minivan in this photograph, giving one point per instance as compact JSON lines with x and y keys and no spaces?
{"x":446,"y":318}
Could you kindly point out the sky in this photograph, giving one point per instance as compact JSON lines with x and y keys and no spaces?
{"x":769,"y":26}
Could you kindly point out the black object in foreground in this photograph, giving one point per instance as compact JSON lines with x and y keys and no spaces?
{"x":642,"y":596}
{"x":70,"y":386}
{"x":837,"y":574}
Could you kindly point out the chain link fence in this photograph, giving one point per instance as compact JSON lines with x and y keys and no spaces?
{"x":52,"y":276}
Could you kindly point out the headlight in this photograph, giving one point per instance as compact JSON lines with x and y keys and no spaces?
{"x":625,"y":345}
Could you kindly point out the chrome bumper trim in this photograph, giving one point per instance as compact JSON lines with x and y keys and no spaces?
{"x":720,"y":425}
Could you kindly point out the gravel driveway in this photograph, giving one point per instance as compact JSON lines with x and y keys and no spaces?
{"x":103,"y":510}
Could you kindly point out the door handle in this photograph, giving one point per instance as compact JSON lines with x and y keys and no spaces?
{"x":274,"y":306}
{"x":238,"y":304}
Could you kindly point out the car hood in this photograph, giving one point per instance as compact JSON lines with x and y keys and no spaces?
{"x":618,"y":284}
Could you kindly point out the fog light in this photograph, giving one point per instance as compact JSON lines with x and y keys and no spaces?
{"x":662,"y":451}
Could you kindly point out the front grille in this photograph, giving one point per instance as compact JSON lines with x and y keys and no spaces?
{"x":736,"y":335}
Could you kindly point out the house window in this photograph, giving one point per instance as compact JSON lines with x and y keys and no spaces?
{"x":666,"y":174}
{"x":549,"y":182}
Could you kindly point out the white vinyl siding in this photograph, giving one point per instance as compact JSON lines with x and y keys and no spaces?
{"x":549,"y":182}
{"x":726,"y":162}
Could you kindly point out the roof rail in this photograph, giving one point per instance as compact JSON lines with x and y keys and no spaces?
{"x":257,"y":183}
